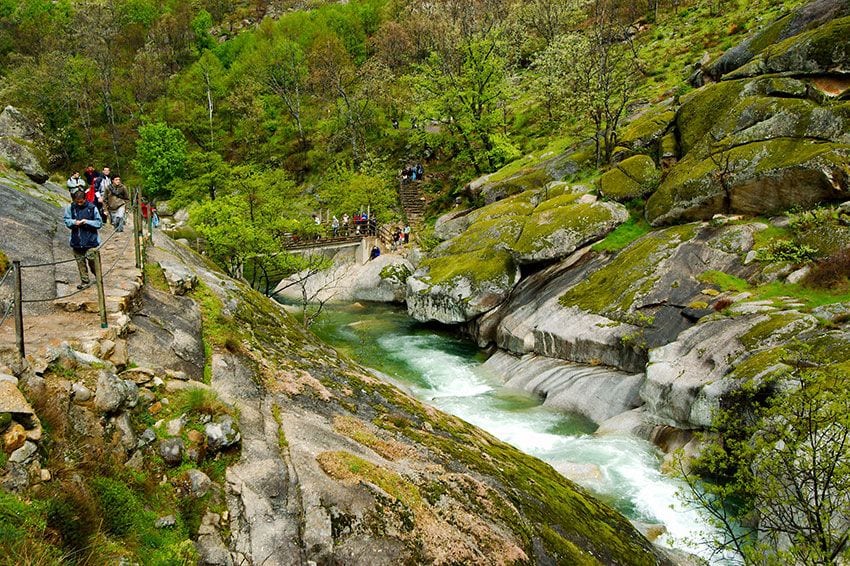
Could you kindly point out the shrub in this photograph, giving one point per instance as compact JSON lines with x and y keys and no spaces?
{"x":786,"y":250}
{"x":832,"y":273}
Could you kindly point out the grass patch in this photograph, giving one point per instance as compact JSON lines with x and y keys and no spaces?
{"x":724,"y":281}
{"x":4,"y":262}
{"x":810,"y":297}
{"x":623,"y":235}
{"x":155,"y":277}
{"x":198,"y":400}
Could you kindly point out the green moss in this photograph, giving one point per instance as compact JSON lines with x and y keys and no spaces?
{"x":819,"y":49}
{"x":554,"y":148}
{"x":702,"y":109}
{"x":584,"y":221}
{"x":155,"y":276}
{"x":761,"y":365}
{"x":633,"y":178}
{"x":219,"y":330}
{"x":616,"y":185}
{"x":723,"y":281}
{"x":778,"y":327}
{"x":487,"y":234}
{"x":690,"y":191}
{"x":517,"y":205}
{"x":346,"y":466}
{"x":478,"y":266}
{"x":612,"y":290}
{"x":648,"y":128}
{"x":4,"y":262}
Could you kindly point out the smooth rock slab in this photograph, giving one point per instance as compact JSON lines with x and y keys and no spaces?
{"x":595,"y":392}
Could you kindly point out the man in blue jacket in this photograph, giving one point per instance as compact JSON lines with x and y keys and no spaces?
{"x":82,"y":217}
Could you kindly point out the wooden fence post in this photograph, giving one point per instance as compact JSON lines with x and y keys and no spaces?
{"x":137,"y":227}
{"x":101,"y":294}
{"x":19,"y":311}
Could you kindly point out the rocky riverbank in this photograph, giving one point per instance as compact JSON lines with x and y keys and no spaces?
{"x":668,"y":324}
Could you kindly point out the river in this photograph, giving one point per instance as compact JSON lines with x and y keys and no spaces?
{"x":445,"y":371}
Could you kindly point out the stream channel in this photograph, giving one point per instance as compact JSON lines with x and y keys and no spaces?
{"x":445,"y":371}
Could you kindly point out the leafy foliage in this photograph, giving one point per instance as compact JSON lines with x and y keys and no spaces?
{"x":781,"y":471}
{"x":160,"y":156}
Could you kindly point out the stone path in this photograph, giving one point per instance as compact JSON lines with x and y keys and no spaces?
{"x":63,"y":313}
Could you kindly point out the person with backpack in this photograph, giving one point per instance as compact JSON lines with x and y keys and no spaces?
{"x":116,"y":203}
{"x":83,"y":219}
{"x":75,"y":183}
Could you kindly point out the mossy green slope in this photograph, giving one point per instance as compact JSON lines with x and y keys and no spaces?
{"x":615,"y":289}
{"x":554,"y":520}
{"x":816,"y":51}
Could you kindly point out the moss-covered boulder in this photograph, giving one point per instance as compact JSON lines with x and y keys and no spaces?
{"x":646,"y":131}
{"x":723,"y":358}
{"x":755,"y":178}
{"x":633,"y":178}
{"x":533,"y":171}
{"x":475,"y":271}
{"x":825,"y":49}
{"x":807,"y":17}
{"x":22,"y":145}
{"x":23,"y":157}
{"x":596,"y":309}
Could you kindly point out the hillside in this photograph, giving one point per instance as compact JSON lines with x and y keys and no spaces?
{"x":641,"y":210}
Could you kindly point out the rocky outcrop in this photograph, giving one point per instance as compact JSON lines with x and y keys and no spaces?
{"x":529,"y":173}
{"x":381,"y":280}
{"x":475,"y":271}
{"x":632,"y":178}
{"x":807,"y":17}
{"x":769,"y":136}
{"x":21,"y":144}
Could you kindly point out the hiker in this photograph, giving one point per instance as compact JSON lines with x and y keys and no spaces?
{"x":335,"y":226}
{"x":100,"y":187}
{"x":345,"y":223}
{"x":116,"y":203}
{"x":420,"y":171}
{"x":75,"y":183}
{"x":406,"y":233}
{"x":82,"y":217}
{"x":376,"y":252}
{"x":396,"y":237}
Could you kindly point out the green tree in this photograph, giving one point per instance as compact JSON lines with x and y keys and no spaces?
{"x":346,"y":191}
{"x":161,"y":153}
{"x":462,"y":84}
{"x":248,"y":226}
{"x":781,"y":471}
{"x":206,"y":173}
{"x":603,"y":70}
